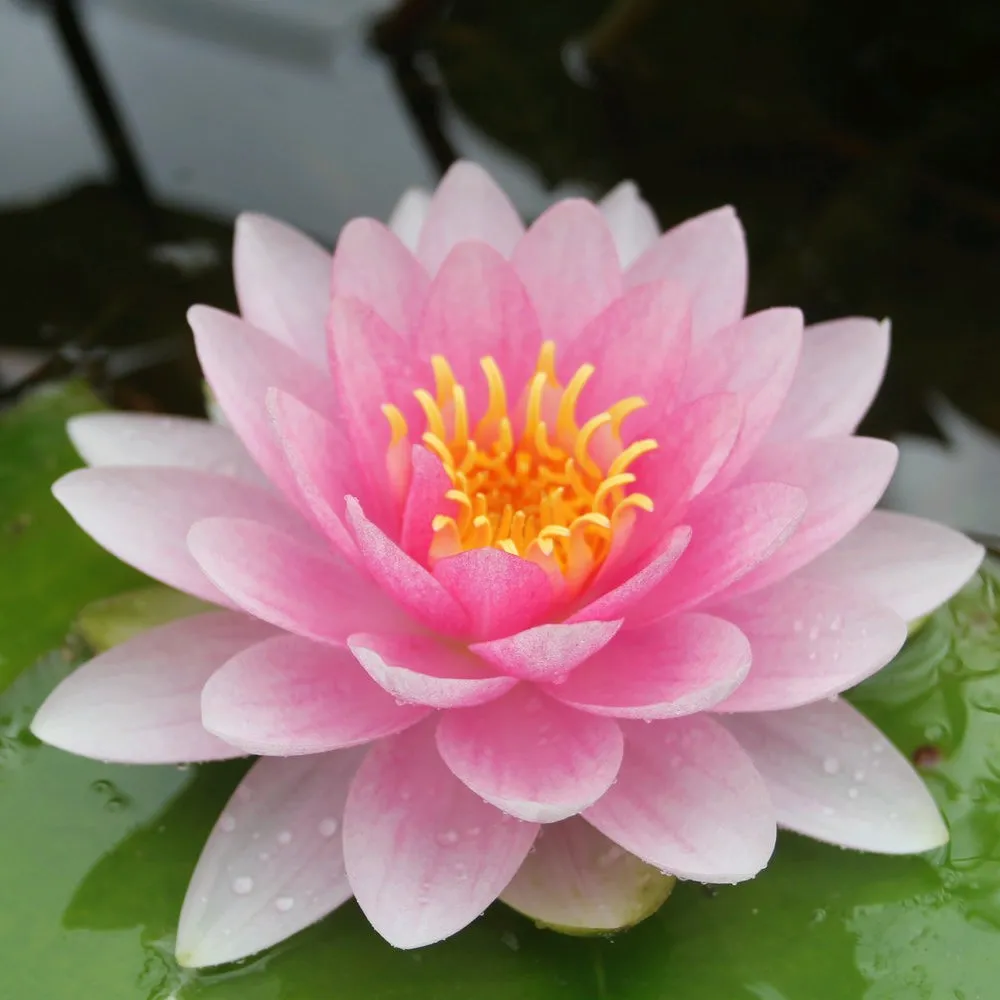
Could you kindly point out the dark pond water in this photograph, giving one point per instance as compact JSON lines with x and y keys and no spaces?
{"x":860,"y":142}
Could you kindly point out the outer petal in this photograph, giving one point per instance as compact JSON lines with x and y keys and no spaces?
{"x":681,"y":665}
{"x":843,"y":479}
{"x":501,"y":593}
{"x":467,"y":205}
{"x":273,"y":864}
{"x":689,"y":801}
{"x":241,"y":364}
{"x":833,"y":776}
{"x":631,"y":221}
{"x":575,"y":879}
{"x":730,"y":535}
{"x":322,"y":461}
{"x":404,"y":578}
{"x":547,"y":652}
{"x":569,"y":264}
{"x":425,"y":856}
{"x":289,"y":696}
{"x":906,"y":563}
{"x":283,"y":283}
{"x":809,"y":640}
{"x":477,"y":306}
{"x":148,"y":440}
{"x":650,"y":322}
{"x":374,"y":267}
{"x":530,"y":756}
{"x":425,"y":671}
{"x":294,"y":586}
{"x":407,"y":218}
{"x":143,"y":516}
{"x":839,"y":372}
{"x":140,"y":702}
{"x":707,"y":255}
{"x":756,"y":360}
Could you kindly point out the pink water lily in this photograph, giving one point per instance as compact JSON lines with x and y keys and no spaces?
{"x":539,"y":567}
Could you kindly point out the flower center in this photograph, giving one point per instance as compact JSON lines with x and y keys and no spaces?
{"x":531,"y":481}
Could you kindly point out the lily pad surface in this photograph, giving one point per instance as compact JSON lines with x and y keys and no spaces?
{"x":94,"y":858}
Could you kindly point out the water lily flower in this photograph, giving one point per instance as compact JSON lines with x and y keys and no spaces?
{"x":534,"y":557}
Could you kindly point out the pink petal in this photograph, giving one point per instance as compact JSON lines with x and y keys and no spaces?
{"x":833,"y":776}
{"x":425,"y":671}
{"x":501,"y":593}
{"x":476,"y":307}
{"x":241,"y":364}
{"x":372,"y":265}
{"x":619,"y":600}
{"x":842,"y":478}
{"x":839,"y":372}
{"x":322,"y":461}
{"x":530,"y":756}
{"x":695,"y":442}
{"x":140,"y":702}
{"x":289,"y":696}
{"x":407,"y":218}
{"x":756,"y":360}
{"x":707,"y":255}
{"x":283,"y":284}
{"x":651,"y":322}
{"x":631,"y":221}
{"x":547,"y":652}
{"x":730,"y":535}
{"x":273,"y":864}
{"x":809,"y":640}
{"x":373,"y":365}
{"x":576,"y":879}
{"x":905,"y":563}
{"x":295,"y":586}
{"x":143,"y":516}
{"x":424,"y":500}
{"x":569,"y":264}
{"x":677,"y":666}
{"x":148,"y":440}
{"x":403,"y":578}
{"x":688,"y":801}
{"x":467,"y":206}
{"x":425,"y":856}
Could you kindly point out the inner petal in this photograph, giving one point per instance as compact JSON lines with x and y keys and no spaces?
{"x":529,"y":475}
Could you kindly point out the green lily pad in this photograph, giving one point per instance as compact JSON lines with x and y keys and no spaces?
{"x":50,"y":568}
{"x":94,"y":858}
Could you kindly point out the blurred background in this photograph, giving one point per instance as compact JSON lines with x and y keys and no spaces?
{"x":859,"y":141}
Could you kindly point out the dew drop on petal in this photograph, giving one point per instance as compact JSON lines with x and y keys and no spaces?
{"x":836,"y":623}
{"x":831,"y":765}
{"x":859,"y":774}
{"x":814,"y":633}
{"x":852,"y":793}
{"x":264,"y":856}
{"x":877,"y":747}
{"x":284,"y":838}
{"x":828,"y":810}
{"x":227,"y":823}
{"x":448,"y":838}
{"x":243,"y":885}
{"x":798,"y":625}
{"x":474,"y":831}
{"x":328,"y":827}
{"x":284,"y":903}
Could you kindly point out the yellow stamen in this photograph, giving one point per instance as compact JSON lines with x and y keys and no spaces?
{"x":554,"y":496}
{"x":397,"y":423}
{"x":444,"y":380}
